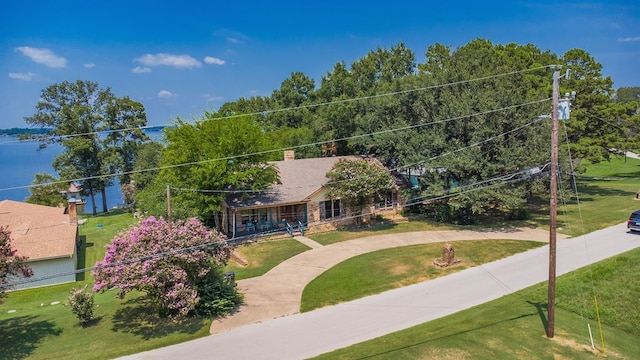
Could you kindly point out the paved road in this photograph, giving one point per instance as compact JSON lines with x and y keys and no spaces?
{"x":309,"y":334}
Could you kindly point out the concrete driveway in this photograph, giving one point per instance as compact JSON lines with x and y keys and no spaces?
{"x":269,"y":328}
{"x":278,"y":292}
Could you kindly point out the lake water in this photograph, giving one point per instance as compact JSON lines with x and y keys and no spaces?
{"x":21,"y":160}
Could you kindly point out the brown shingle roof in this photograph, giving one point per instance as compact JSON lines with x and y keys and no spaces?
{"x":299,"y":179}
{"x":38,"y":232}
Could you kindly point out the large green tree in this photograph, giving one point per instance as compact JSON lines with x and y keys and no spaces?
{"x":379,"y":72}
{"x":628,"y":94}
{"x":290,"y":100}
{"x":206,"y":160}
{"x":483,"y":103}
{"x":457,"y":120}
{"x":76,"y":114}
{"x":593,"y":128}
{"x":47,"y":190}
{"x":123,"y":123}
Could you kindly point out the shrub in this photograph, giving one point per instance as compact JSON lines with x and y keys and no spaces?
{"x":82,"y":305}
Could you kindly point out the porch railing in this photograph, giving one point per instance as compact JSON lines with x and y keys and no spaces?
{"x":265,"y":227}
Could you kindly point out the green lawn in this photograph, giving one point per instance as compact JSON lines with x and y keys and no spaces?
{"x":120,"y":328}
{"x":383,"y":270}
{"x":618,"y":166}
{"x":602,"y":203}
{"x":96,"y":233}
{"x":606,"y":196}
{"x":263,"y":256}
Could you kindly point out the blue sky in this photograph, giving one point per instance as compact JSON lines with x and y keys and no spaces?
{"x":180,"y":58}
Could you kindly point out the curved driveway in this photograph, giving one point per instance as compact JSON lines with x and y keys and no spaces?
{"x":269,"y":328}
{"x":278,"y":292}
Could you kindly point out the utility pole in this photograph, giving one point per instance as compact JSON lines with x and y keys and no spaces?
{"x":553,"y":206}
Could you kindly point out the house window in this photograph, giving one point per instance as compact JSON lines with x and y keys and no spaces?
{"x":262,"y":214}
{"x":329,"y":209}
{"x":336,"y":208}
{"x":388,"y":200}
{"x":248,"y":215}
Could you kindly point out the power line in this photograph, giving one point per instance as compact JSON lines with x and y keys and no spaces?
{"x":173,"y":252}
{"x":309,"y":106}
{"x":119,"y":263}
{"x":264,"y":152}
{"x":413,"y":201}
{"x":502,"y":180}
{"x":505,"y":179}
{"x":396,"y":169}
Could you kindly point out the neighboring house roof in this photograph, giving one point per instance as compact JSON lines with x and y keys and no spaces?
{"x":38,"y":232}
{"x":74,"y":188}
{"x":299,"y":180}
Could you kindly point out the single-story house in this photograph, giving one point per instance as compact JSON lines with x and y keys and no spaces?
{"x":47,"y":236}
{"x":296,"y":202}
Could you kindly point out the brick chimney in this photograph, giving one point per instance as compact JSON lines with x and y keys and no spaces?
{"x":289,"y":155}
{"x":73,"y":212}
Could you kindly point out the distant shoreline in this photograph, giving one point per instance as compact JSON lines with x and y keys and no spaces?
{"x":23,"y":131}
{"x":38,"y":131}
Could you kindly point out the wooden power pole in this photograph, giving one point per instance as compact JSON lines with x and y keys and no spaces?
{"x":553,"y":203}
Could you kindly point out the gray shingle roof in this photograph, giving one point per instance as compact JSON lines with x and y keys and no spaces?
{"x":299,"y":178}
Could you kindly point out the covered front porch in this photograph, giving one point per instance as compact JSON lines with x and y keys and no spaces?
{"x":264,"y":220}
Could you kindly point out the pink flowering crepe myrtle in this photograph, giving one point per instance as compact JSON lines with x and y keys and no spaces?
{"x":162,"y":261}
{"x":11,"y":263}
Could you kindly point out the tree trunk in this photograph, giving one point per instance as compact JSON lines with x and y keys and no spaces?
{"x":93,"y":203}
{"x":105,"y":208}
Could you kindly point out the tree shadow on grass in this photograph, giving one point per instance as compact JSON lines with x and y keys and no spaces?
{"x":91,"y":323}
{"x":20,"y":336}
{"x":139,"y":316}
{"x":588,"y":192}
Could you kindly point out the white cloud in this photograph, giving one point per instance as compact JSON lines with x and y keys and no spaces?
{"x":141,"y":70}
{"x":89,"y":65}
{"x":22,"y":76}
{"x":212,"y":98}
{"x":43,"y":56}
{"x":232,"y":37}
{"x":213,"y":60}
{"x":179,"y":61}
{"x":629,"y":39}
{"x":165,"y":94}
